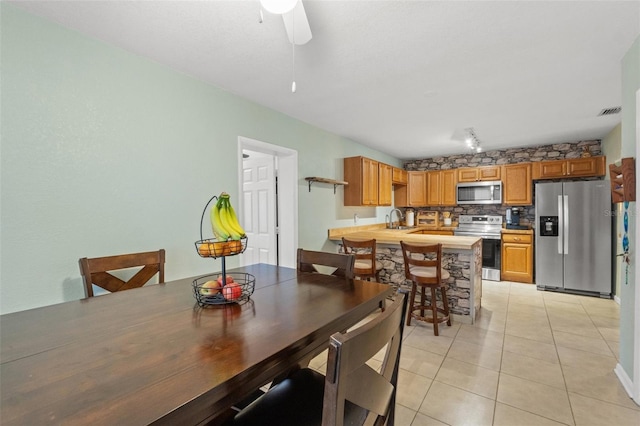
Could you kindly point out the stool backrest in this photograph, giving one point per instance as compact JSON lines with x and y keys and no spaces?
{"x":422,"y":256}
{"x":364,"y":250}
{"x":350,"y":378}
{"x":96,"y":270}
{"x":343,"y":263}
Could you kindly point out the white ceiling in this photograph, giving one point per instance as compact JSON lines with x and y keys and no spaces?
{"x":403,"y":77}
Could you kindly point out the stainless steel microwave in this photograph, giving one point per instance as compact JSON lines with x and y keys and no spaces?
{"x":488,"y":192}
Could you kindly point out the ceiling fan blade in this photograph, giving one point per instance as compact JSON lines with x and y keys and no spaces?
{"x":297,"y":25}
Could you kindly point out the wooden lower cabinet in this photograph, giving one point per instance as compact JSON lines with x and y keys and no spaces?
{"x":517,"y":257}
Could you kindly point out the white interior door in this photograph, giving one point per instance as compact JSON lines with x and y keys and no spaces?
{"x":259,"y":208}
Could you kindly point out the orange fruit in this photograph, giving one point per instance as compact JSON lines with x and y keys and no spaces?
{"x":220,"y":248}
{"x":204,"y":249}
{"x":235,"y":246}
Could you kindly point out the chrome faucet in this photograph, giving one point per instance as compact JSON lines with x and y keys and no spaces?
{"x":390,"y":224}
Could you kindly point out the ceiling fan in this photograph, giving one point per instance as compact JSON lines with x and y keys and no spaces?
{"x":294,"y":16}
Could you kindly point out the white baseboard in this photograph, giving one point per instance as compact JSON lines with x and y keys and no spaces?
{"x":616,"y":299}
{"x":626,"y":382}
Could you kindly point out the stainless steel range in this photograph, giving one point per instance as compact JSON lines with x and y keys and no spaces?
{"x":488,"y":228}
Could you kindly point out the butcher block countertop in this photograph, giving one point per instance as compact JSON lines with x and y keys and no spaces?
{"x":382,"y":235}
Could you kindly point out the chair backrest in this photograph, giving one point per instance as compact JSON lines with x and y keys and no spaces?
{"x":363,"y":250}
{"x":350,"y":378}
{"x":96,"y":270}
{"x":420,"y":257}
{"x":308,"y":259}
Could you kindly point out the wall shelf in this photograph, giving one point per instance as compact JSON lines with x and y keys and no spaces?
{"x":333,"y":182}
{"x":623,"y":181}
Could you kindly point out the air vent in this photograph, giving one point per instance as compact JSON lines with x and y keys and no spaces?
{"x":610,"y":111}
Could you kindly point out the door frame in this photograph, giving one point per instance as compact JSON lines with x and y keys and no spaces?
{"x":287,"y":199}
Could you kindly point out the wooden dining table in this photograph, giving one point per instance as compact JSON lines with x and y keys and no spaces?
{"x":153,"y":356}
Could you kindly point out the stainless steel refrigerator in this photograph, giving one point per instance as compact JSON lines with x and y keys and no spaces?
{"x":573,"y":237}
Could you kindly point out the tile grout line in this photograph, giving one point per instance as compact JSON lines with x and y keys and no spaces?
{"x":506,"y":321}
{"x":555,"y":345}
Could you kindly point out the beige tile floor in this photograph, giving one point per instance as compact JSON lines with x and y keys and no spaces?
{"x":532,"y":358}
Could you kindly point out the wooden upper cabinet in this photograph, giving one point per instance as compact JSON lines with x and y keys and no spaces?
{"x":362,"y":175}
{"x":441,"y":188}
{"x":517,"y":184}
{"x":417,"y":184}
{"x":576,"y":167}
{"x":414,"y":194}
{"x":385,"y":173}
{"x":474,"y":174}
{"x":433,"y":188}
{"x":399,"y":176}
{"x":449,"y":182}
{"x":467,"y":174}
{"x":592,"y":166}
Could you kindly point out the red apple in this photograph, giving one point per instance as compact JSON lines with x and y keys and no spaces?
{"x":232,"y":291}
{"x":229,"y":280}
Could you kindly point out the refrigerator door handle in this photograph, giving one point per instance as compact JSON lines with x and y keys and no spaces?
{"x":565,"y":229}
{"x":560,"y":224}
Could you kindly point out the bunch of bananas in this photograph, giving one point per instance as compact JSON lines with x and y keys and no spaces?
{"x":224,"y":221}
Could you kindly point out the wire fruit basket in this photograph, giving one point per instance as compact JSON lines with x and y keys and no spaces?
{"x":209,"y":290}
{"x":223,"y":287}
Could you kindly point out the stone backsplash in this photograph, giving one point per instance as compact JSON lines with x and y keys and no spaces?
{"x":507,"y":156}
{"x":498,"y":157}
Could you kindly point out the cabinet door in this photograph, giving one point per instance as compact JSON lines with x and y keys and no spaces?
{"x":448,"y":183}
{"x":582,"y":167}
{"x":517,"y":262}
{"x":399,"y":176}
{"x":417,"y":188}
{"x":369,"y":182}
{"x":550,"y":169}
{"x":517,"y":184}
{"x":467,"y":174}
{"x":489,"y":173}
{"x":433,"y":188}
{"x":384,"y":184}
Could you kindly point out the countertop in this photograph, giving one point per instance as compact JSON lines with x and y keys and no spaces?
{"x":382,"y":235}
{"x":517,"y":231}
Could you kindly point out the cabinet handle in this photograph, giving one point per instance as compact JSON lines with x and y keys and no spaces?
{"x":516,"y":239}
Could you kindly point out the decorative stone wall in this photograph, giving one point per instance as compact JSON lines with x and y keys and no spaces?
{"x":498,"y":157}
{"x":507,"y":156}
{"x":458,"y":264}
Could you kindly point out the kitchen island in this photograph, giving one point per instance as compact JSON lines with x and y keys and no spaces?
{"x":462,"y":257}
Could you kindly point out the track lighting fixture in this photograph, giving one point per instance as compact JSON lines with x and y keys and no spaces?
{"x":472,"y":140}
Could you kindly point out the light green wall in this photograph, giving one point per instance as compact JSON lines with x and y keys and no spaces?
{"x":611,"y":146}
{"x":105,"y":152}
{"x":630,"y":85}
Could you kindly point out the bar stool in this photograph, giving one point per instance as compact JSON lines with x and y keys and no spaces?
{"x":366,"y":265}
{"x":426,"y":273}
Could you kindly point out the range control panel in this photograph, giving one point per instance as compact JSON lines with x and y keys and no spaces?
{"x":480,"y":219}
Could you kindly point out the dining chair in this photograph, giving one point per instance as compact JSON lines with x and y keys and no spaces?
{"x":342,"y":263}
{"x":366,"y":266}
{"x":423,"y":266}
{"x":351,"y":392}
{"x":96,"y":271}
